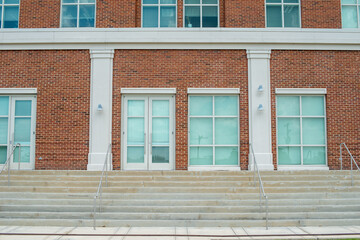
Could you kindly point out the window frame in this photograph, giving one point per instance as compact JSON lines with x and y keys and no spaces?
{"x":282,"y":13}
{"x":214,"y":145}
{"x":159,"y":5}
{"x":8,"y":123}
{"x":2,"y":5}
{"x":201,"y":6}
{"x":357,"y":4}
{"x":78,"y":13}
{"x":301,"y":145}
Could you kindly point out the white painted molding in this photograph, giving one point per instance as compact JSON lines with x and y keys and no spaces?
{"x":148,"y":90}
{"x":18,"y":91}
{"x":213,"y":91}
{"x":301,"y":91}
{"x":213,"y":168}
{"x":258,"y":54}
{"x":102,"y":53}
{"x":180,"y":38}
{"x":301,"y":168}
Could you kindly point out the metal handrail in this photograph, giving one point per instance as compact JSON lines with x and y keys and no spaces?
{"x":99,"y":190}
{"x":7,"y":163}
{"x":261,"y":187}
{"x":352,"y":160}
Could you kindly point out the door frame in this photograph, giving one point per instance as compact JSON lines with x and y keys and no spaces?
{"x":172,"y":123}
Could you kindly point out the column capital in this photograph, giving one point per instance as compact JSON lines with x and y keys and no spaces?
{"x":102,"y":53}
{"x":258,"y":53}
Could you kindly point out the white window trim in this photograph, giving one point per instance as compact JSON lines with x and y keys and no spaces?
{"x":78,"y":13}
{"x":2,"y":13}
{"x":301,"y":145}
{"x":159,"y":17}
{"x":18,"y":91}
{"x":282,"y":14}
{"x":214,"y":91}
{"x":357,"y":10}
{"x":201,"y":5}
{"x":213,"y":145}
{"x":301,"y":91}
{"x":148,"y":90}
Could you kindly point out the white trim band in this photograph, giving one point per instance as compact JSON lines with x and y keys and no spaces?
{"x":148,"y":90}
{"x":18,"y":91}
{"x":213,"y":91}
{"x":302,"y":91}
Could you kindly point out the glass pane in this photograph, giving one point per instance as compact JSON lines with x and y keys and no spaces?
{"x":201,"y":106}
{"x":312,"y":106}
{"x":314,"y":156}
{"x":291,"y":16}
{"x":288,"y":131}
{"x":226,"y":106}
{"x":135,"y":154}
{"x":201,"y":156}
{"x":0,"y":15}
{"x":4,"y":106}
{"x":160,"y":131}
{"x":313,"y":131}
{"x":150,"y":1}
{"x":87,"y":1}
{"x":291,"y":1}
{"x":11,"y":17}
{"x":348,"y":1}
{"x":3,"y":154}
{"x":11,"y":2}
{"x":167,"y":16}
{"x":160,"y":155}
{"x":136,"y":108}
{"x":201,"y":131}
{"x":226,"y":156}
{"x":160,"y":108}
{"x":226,"y":131}
{"x":273,"y":1}
{"x":136,"y":131}
{"x":22,"y":130}
{"x":24,"y":157}
{"x":150,"y":16}
{"x":192,"y":1}
{"x":210,"y":16}
{"x":289,"y":156}
{"x":23,"y":108}
{"x":167,"y":1}
{"x":3,"y":130}
{"x":349,"y":17}
{"x":209,"y":1}
{"x":273,"y":16}
{"x":70,"y":1}
{"x":69,"y":16}
{"x":288,"y":106}
{"x":87,"y":16}
{"x":192,"y":17}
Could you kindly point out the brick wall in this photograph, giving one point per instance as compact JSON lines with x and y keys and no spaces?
{"x":116,"y":14}
{"x":62,"y":79}
{"x":180,"y":69}
{"x":321,"y":14}
{"x":338,"y":72}
{"x":39,"y":14}
{"x":244,"y":14}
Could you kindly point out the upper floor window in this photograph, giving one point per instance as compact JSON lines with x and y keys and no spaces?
{"x":283,"y":13}
{"x":350,"y":13}
{"x":9,"y":13}
{"x":78,"y":13}
{"x":159,"y":13}
{"x":201,"y":13}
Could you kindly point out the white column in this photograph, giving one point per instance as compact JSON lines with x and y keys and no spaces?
{"x":100,"y":97}
{"x":259,"y":97}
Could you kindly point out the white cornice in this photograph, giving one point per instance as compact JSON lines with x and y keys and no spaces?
{"x":302,"y":91}
{"x":180,"y":38}
{"x":148,"y":90}
{"x":18,"y":91}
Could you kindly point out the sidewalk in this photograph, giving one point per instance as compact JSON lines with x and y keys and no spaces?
{"x":84,"y":233}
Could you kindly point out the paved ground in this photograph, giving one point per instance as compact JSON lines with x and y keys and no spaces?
{"x":218,"y":233}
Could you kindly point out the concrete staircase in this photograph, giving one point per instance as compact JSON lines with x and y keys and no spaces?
{"x":180,"y":198}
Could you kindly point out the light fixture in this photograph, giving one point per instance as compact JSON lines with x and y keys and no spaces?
{"x":260,"y":107}
{"x":260,"y":88}
{"x":100,"y":108}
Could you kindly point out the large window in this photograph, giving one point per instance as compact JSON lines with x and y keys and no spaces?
{"x":9,"y":13}
{"x":78,"y":13}
{"x":201,"y":13}
{"x":350,"y":13}
{"x":158,"y":13}
{"x":301,"y":130}
{"x":214,"y":130}
{"x":283,"y":13}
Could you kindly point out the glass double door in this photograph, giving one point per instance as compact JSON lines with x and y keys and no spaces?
{"x":17,"y":130}
{"x":148,"y":142}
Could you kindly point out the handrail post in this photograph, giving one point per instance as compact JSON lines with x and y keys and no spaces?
{"x":267,"y":213}
{"x":8,"y":163}
{"x":94,"y":217}
{"x":352,"y":179}
{"x":19,"y":157}
{"x":341,"y":157}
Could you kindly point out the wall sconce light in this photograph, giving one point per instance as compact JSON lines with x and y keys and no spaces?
{"x":260,"y":107}
{"x":100,"y":108}
{"x":260,"y":88}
